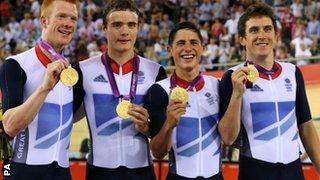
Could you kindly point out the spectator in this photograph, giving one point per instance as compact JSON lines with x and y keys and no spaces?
{"x":216,"y":28}
{"x":5,"y":12}
{"x":302,"y":45}
{"x":84,"y":148}
{"x":205,"y":11}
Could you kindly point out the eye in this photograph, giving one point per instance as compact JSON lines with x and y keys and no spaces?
{"x":253,"y":30}
{"x":62,"y":16}
{"x":132,"y":25}
{"x":268,"y":29}
{"x":194,"y":42}
{"x":180,"y":43}
{"x":74,"y":18}
{"x":116,"y":25}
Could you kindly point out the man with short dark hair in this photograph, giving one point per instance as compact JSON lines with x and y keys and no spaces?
{"x":114,"y":85}
{"x":273,"y":111}
{"x":188,"y":131}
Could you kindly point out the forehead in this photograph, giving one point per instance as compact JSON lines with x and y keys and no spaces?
{"x":259,"y":21}
{"x":186,"y":35}
{"x":64,"y":7}
{"x":122,"y":16}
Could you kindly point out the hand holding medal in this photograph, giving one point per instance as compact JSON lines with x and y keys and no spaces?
{"x":69,"y":76}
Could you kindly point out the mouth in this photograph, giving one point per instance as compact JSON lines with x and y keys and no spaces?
{"x":65,"y":32}
{"x":188,"y":56}
{"x":262,"y":44}
{"x":123,"y":41}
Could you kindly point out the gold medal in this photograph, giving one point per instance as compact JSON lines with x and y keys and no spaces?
{"x":253,"y":73}
{"x":69,"y":76}
{"x":123,"y":108}
{"x":179,"y":94}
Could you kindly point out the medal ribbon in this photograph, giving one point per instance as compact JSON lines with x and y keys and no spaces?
{"x":134,"y":78}
{"x":48,"y":48}
{"x":173,"y":81}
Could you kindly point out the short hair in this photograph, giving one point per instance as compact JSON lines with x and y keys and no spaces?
{"x":255,"y":10}
{"x":45,"y":6}
{"x":119,"y":5}
{"x":183,"y":25}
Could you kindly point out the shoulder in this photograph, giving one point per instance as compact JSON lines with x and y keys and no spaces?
{"x":210,"y":78}
{"x":287,"y":67}
{"x":148,"y":62}
{"x":234,"y":68}
{"x":90,"y":61}
{"x":26,"y":56}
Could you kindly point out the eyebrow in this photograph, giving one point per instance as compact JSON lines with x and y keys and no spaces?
{"x":191,"y":40}
{"x":128,"y":22}
{"x":257,"y":27}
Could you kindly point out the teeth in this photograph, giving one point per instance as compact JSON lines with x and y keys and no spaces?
{"x":187,"y":56}
{"x":64,"y":32}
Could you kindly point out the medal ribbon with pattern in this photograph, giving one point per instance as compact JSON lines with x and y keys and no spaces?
{"x":124,"y":104}
{"x":173,"y":81}
{"x":68,"y":76}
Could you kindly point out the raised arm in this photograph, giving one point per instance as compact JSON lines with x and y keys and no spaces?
{"x":17,"y":116}
{"x":231,"y":89}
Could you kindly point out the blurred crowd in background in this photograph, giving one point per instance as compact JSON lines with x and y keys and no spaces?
{"x":297,"y":20}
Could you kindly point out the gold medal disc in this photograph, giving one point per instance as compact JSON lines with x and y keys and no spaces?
{"x":253,"y":74}
{"x":123,"y":108}
{"x":69,"y":76}
{"x":179,"y":94}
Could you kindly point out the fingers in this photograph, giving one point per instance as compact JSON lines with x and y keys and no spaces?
{"x":140,"y":117}
{"x":239,"y":79}
{"x":53,"y":74}
{"x":57,"y":66}
{"x":175,"y":110}
{"x":139,"y":114}
{"x":177,"y":107}
{"x":240,"y":75}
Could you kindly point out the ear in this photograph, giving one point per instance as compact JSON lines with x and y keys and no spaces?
{"x":242,"y":41}
{"x":43,"y":21}
{"x":277,"y":37}
{"x":204,"y":47}
{"x":169,"y":50}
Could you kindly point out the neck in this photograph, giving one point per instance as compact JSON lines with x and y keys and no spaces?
{"x":265,"y":62}
{"x":56,"y":47}
{"x":187,"y":75}
{"x":120,"y":57}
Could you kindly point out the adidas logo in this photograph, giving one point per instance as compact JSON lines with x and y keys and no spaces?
{"x":100,"y":78}
{"x":256,"y":88}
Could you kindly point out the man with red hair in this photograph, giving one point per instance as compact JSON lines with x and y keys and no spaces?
{"x":38,"y":108}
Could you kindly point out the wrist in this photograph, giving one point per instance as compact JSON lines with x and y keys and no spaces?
{"x":236,"y":95}
{"x":44,"y":89}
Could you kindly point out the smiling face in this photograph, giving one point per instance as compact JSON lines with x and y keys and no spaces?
{"x":186,"y":50}
{"x":260,"y":38}
{"x":121,"y":31}
{"x":59,"y":23}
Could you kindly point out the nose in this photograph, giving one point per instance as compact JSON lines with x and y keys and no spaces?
{"x":124,"y":30}
{"x":262,"y":34}
{"x":70,"y":23}
{"x":188,"y":47}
